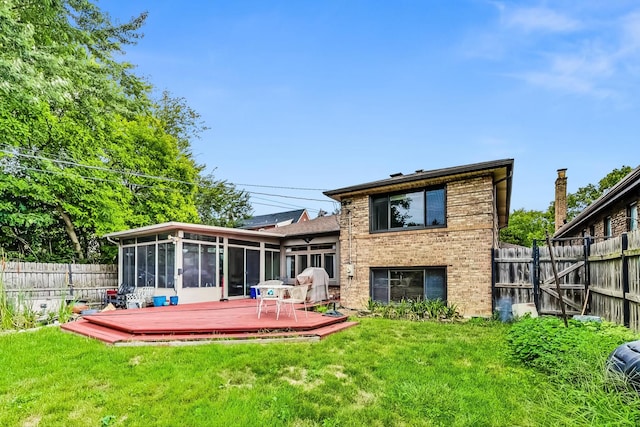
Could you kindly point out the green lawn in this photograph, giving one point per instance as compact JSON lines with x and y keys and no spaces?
{"x":379,"y":373}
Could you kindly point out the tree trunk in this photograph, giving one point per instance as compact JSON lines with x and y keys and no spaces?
{"x":71,"y":231}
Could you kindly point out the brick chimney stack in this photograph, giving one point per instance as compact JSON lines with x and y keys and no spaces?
{"x":561,"y":198}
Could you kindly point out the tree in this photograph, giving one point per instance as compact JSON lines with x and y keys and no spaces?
{"x":220,"y":203}
{"x":525,"y":226}
{"x":83,"y":152}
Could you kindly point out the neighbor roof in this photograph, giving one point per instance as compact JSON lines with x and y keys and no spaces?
{"x":323,"y":225}
{"x":502,"y":171}
{"x":621,"y":190}
{"x":269,"y":220}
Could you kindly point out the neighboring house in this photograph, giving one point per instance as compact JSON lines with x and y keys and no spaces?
{"x":207,"y":263}
{"x":280,"y":219}
{"x":429,"y":234}
{"x":613,"y":213}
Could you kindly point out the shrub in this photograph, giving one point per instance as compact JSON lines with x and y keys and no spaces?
{"x":568,"y":352}
{"x":420,"y":309}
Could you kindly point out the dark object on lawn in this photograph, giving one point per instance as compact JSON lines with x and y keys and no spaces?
{"x":333,"y":313}
{"x":625,"y":359}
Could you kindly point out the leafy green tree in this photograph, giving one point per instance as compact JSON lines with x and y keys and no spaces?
{"x":220,"y":203}
{"x":85,"y":151}
{"x":525,"y":226}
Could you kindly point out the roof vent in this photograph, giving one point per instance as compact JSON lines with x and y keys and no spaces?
{"x":397,"y":174}
{"x":420,"y":171}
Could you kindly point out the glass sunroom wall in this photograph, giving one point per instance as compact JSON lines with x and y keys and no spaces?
{"x":146,"y":269}
{"x":129,"y":266}
{"x":166,"y":265}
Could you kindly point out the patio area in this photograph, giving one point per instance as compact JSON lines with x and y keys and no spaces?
{"x":234,"y":321}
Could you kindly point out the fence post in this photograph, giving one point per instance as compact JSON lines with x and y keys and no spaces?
{"x":536,"y":275}
{"x":493,"y":280}
{"x":626,"y":312}
{"x":587,"y":273}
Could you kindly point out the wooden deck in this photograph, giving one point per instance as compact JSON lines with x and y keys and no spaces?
{"x":230,"y":321}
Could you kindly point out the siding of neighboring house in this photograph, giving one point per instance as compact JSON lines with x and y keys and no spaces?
{"x":463,"y":246}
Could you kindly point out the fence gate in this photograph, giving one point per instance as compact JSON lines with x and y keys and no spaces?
{"x":525,"y":275}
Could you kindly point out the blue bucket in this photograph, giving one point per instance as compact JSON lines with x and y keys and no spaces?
{"x":253,"y":292}
{"x":173,"y":300}
{"x":159,"y":301}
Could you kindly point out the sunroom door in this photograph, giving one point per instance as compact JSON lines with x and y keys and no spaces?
{"x":244,"y":270}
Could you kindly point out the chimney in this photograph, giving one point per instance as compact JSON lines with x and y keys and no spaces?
{"x":561,"y":198}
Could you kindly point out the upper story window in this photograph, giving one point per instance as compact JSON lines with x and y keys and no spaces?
{"x":410,"y":210}
{"x":633,"y":216}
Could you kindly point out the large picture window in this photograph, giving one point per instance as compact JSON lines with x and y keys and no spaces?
{"x":394,"y":285}
{"x":416,"y":209}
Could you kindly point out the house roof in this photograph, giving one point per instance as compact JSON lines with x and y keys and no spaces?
{"x":502,"y":171}
{"x":271,"y":220}
{"x":323,"y":225}
{"x":166,"y":227}
{"x":625,"y":187}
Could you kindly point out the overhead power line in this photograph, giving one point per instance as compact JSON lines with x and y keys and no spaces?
{"x":141,"y":175}
{"x":15,"y":151}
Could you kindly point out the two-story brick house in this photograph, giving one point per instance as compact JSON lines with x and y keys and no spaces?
{"x":429,"y":234}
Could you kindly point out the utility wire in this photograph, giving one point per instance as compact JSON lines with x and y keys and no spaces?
{"x":20,"y":167}
{"x":16,"y":151}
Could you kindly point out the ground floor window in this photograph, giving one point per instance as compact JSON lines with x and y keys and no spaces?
{"x":395,"y":284}
{"x":320,"y":255}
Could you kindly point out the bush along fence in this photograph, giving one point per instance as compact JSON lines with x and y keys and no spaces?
{"x":45,"y":286}
{"x":597,"y":278}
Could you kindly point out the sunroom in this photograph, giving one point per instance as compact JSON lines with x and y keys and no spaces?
{"x":195,"y":262}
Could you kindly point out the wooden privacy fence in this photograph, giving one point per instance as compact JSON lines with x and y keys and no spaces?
{"x":42,"y":282}
{"x":601,"y":279}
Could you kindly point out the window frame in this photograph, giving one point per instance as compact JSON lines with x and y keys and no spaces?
{"x":632,"y":215}
{"x":378,"y":200}
{"x":374,"y":289}
{"x":608,"y":227}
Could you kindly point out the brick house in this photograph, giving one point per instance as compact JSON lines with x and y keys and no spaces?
{"x":613,"y":213}
{"x":429,"y":234}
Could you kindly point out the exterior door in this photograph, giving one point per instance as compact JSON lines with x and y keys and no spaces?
{"x":244,"y":270}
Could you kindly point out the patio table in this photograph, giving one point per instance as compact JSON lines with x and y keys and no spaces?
{"x":266,"y":292}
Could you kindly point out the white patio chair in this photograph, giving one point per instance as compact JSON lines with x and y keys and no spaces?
{"x":134,"y":300}
{"x":297,"y":295}
{"x":146,"y":293}
{"x":265,"y":292}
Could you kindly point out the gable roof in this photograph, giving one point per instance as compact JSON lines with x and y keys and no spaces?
{"x":324,"y":225}
{"x":271,"y":220}
{"x":629,"y":185}
{"x":502,"y":171}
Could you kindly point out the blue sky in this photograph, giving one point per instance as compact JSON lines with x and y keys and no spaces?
{"x":328,"y":94}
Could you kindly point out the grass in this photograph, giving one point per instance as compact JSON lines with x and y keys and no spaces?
{"x":379,"y":373}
